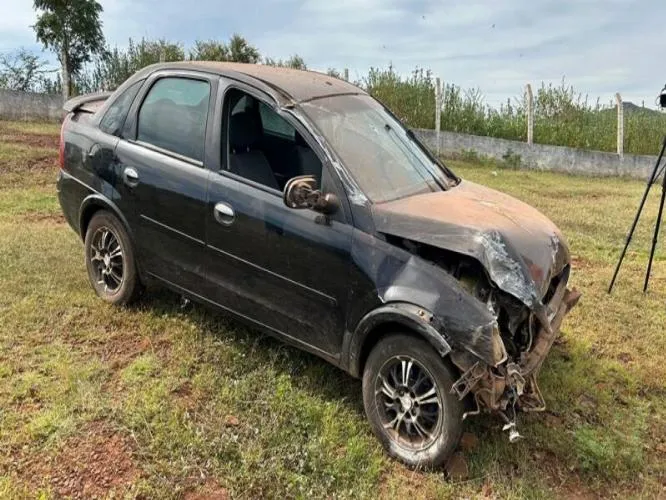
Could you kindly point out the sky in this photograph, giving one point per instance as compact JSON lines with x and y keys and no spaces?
{"x":599,"y":46}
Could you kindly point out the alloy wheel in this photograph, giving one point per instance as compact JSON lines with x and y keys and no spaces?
{"x":409,"y":403}
{"x":107,"y":259}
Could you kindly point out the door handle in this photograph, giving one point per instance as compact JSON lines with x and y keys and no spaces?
{"x":224,"y":214}
{"x":131,"y":177}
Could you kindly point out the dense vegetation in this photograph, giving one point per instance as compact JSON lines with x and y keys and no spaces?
{"x":562,"y":115}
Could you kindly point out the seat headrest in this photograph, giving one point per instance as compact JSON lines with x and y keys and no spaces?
{"x":244,"y":132}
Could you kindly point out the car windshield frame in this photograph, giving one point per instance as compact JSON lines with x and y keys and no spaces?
{"x":349,"y":121}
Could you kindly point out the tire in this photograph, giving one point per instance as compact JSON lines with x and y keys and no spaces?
{"x":110,"y":260}
{"x":418,"y":439}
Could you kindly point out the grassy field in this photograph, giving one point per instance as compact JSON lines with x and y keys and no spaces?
{"x":156,"y":401}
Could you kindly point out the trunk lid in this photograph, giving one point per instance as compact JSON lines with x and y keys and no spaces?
{"x":88,"y":103}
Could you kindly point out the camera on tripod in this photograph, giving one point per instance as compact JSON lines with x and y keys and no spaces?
{"x":656,"y":173}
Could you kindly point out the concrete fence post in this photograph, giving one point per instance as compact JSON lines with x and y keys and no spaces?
{"x":620,"y":125}
{"x":530,"y":115}
{"x":438,"y":111}
{"x":346,"y":73}
{"x":162,"y":56}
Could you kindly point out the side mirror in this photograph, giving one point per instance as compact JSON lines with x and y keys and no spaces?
{"x":301,"y":192}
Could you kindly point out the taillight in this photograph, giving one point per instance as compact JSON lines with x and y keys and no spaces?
{"x":61,"y":149}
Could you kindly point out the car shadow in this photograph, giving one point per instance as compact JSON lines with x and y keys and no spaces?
{"x":307,"y":372}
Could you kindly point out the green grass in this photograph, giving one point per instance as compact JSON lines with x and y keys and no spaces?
{"x":205,"y":404}
{"x":28,"y":127}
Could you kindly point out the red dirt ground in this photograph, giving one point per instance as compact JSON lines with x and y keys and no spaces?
{"x":89,"y":465}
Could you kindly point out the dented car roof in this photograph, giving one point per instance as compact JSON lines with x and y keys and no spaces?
{"x":297,"y":85}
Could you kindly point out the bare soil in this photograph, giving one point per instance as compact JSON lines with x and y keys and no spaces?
{"x":31,"y":165}
{"x":210,"y":491}
{"x":88,"y":465}
{"x":44,"y":218}
{"x":9,"y":135}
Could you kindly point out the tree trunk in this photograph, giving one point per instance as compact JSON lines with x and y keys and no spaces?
{"x":66,"y":77}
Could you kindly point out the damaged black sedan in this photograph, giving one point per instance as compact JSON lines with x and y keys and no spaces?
{"x":297,"y":203}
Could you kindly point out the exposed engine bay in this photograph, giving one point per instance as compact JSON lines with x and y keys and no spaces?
{"x":522,"y":339}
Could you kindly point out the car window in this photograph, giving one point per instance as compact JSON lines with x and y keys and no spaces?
{"x":173,"y":116}
{"x":262,"y":146}
{"x":273,"y":123}
{"x":376,"y":148}
{"x":114,"y":118}
{"x":243,"y":104}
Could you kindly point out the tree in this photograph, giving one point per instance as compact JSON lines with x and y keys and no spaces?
{"x":294,"y":62}
{"x":334,"y":73}
{"x":114,"y":66}
{"x":241,"y":51}
{"x":209,"y":50}
{"x":117,"y":65}
{"x":237,"y":50}
{"x":23,"y":71}
{"x":73,"y":30}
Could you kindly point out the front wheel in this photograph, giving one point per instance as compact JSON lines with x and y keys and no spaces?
{"x":110,"y":260}
{"x":407,"y":398}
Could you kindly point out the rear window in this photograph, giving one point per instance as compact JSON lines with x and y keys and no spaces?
{"x":173,"y":116}
{"x":115,"y":116}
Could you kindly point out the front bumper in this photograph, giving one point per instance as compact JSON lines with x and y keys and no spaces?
{"x":512,"y":385}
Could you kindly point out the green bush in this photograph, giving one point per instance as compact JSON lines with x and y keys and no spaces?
{"x":411,"y":99}
{"x":561,"y":115}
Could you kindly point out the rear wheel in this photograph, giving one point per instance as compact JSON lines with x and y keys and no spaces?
{"x":110,"y":260}
{"x":407,"y":398}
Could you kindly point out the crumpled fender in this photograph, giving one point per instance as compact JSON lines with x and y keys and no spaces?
{"x":520,"y":248}
{"x":423,"y":296}
{"x":410,"y":316}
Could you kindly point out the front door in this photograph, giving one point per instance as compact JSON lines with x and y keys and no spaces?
{"x":283,"y":268}
{"x":161,"y":177}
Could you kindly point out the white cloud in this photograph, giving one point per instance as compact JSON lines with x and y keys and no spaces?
{"x":601,"y":46}
{"x":15,"y":24}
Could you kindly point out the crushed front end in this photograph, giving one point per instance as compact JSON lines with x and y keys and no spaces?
{"x":511,"y":266}
{"x":507,"y":382}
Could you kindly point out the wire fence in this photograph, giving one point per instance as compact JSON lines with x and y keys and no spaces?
{"x":549,"y":114}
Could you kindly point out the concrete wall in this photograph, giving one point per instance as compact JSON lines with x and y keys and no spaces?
{"x":541,"y":156}
{"x":30,"y":106}
{"x":15,"y":105}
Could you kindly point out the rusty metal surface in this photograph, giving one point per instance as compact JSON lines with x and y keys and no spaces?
{"x":513,"y":385}
{"x":519,"y":247}
{"x":299,"y":85}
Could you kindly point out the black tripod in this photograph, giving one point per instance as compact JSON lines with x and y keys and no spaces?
{"x":653,"y":178}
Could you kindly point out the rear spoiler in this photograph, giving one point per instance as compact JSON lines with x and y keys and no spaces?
{"x":88,"y":103}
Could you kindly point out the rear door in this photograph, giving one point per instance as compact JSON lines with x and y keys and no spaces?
{"x":162,"y":179}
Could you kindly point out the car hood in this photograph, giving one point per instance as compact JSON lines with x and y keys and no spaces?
{"x":520,"y":248}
